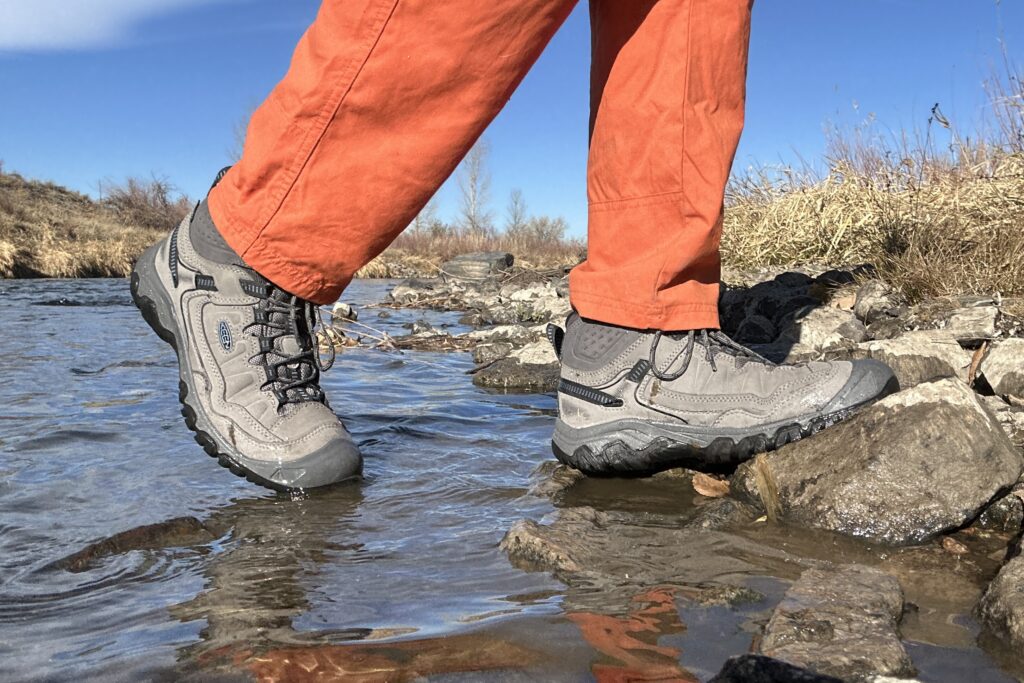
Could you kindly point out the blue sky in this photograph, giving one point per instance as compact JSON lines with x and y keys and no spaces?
{"x":104,"y":89}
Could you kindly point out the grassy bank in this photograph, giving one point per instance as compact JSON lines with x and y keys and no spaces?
{"x":49,"y":231}
{"x":939,"y":211}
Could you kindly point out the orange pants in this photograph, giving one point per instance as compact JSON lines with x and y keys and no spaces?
{"x":385,"y":97}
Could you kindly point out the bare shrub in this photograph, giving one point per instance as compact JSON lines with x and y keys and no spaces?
{"x":153,"y":203}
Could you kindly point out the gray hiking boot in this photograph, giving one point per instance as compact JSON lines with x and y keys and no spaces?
{"x":247,"y":361}
{"x":634,"y":401}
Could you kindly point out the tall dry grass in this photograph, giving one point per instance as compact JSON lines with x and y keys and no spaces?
{"x":939,"y":212}
{"x":49,"y":231}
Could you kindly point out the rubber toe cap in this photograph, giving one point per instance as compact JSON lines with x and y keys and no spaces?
{"x":869,"y":381}
{"x":334,"y":462}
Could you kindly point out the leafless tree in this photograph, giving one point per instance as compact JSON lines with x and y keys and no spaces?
{"x":516,"y":214}
{"x":475,"y":184}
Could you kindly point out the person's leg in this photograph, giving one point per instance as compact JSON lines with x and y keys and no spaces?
{"x":647,"y":381}
{"x":382,"y":101}
{"x":667,"y":98}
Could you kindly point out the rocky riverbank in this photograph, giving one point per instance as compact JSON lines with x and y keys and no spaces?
{"x":918,"y":495}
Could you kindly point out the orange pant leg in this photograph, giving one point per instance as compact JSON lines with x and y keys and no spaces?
{"x":382,"y":101}
{"x":668,"y":88}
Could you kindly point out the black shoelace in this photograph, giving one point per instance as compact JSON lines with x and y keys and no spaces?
{"x":293,"y":377}
{"x":712,"y":341}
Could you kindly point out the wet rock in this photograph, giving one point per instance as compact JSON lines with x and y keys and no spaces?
{"x":875,"y":301}
{"x":584,"y":545}
{"x":920,"y":356}
{"x":902,"y":471}
{"x":514,"y":334}
{"x":973,"y":325}
{"x":532,"y":368}
{"x":1007,"y":513}
{"x":821,"y":328}
{"x":478,"y":265}
{"x":1001,"y":609}
{"x":1003,"y":367}
{"x":484,"y":354}
{"x":841,"y":622}
{"x":761,"y":669}
{"x":552,"y":478}
{"x":722,"y":513}
{"x":422,"y":326}
{"x":174,"y":532}
{"x":343,"y":311}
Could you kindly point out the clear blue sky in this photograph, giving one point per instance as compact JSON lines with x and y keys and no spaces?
{"x":104,"y":89}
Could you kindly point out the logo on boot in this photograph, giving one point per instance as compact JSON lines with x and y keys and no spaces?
{"x":224,"y":334}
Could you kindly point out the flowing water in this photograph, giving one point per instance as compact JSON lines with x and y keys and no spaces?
{"x":398,"y":577}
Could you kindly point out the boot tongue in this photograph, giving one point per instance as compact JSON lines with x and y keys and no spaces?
{"x":296,"y":342}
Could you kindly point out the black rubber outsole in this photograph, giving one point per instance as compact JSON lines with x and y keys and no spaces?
{"x":616,"y":458}
{"x":148,"y":309}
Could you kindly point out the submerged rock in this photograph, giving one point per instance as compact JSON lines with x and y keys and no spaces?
{"x":609,"y":549}
{"x":1003,"y":367}
{"x":902,"y":471}
{"x":1001,"y":609}
{"x":841,"y":622}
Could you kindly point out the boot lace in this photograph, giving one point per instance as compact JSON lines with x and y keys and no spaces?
{"x":285,"y":326}
{"x":712,"y":341}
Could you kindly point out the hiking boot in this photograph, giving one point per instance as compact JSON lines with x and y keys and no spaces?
{"x":247,"y":360}
{"x":632,"y":401}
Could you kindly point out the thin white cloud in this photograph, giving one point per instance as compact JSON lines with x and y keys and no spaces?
{"x":31,"y":25}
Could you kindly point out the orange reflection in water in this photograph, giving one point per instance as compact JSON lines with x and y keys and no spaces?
{"x":629,"y":644}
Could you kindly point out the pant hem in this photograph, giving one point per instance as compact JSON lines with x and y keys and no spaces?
{"x":675,"y":317}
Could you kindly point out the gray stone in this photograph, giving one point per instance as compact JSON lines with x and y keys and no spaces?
{"x":477,"y":265}
{"x":488,"y":353}
{"x":1003,"y":367}
{"x":416,"y":289}
{"x":511,"y":374}
{"x":722,"y":513}
{"x":343,"y":311}
{"x":972,"y":325}
{"x":821,"y":327}
{"x":902,"y":471}
{"x":875,"y":300}
{"x":920,"y":356}
{"x":1001,"y":609}
{"x":841,"y":622}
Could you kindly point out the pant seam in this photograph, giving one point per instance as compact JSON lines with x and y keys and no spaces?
{"x":314,"y":134}
{"x":648,"y":309}
{"x":682,"y":146}
{"x":637,"y":202}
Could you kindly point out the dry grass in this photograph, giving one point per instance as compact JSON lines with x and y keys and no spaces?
{"x":419,"y":252}
{"x":49,"y":231}
{"x":935,"y":219}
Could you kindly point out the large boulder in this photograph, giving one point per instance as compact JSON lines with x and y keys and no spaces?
{"x":760,"y":669}
{"x":1003,"y":367}
{"x":840,"y":622}
{"x":478,"y":265}
{"x":920,"y":356}
{"x":1001,"y":609}
{"x":902,"y":471}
